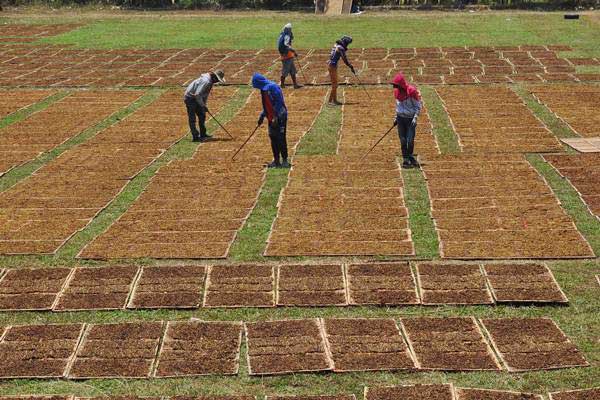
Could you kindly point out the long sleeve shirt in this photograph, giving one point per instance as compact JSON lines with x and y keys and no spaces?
{"x":200,"y":89}
{"x":408,"y":107}
{"x":338,"y":52}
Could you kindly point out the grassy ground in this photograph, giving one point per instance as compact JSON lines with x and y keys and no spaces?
{"x":393,"y":29}
{"x":581,"y":320}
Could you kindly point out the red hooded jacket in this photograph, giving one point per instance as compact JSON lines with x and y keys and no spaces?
{"x":408,"y":90}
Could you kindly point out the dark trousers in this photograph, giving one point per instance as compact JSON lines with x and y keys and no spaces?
{"x":194,"y":110}
{"x":277,"y":134}
{"x":406,"y":132}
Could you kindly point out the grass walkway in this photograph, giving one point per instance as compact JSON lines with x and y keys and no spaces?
{"x":391,"y":29}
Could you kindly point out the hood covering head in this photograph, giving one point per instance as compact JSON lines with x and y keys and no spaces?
{"x":402,"y":90}
{"x":259,"y":81}
{"x":287,"y":27}
{"x":345,"y":41}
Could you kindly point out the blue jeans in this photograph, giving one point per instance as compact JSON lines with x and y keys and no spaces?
{"x":406,"y":132}
{"x":194,"y":110}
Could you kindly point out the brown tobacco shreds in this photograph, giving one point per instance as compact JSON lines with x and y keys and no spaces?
{"x":532,"y":344}
{"x":452,"y":284}
{"x":38,"y":351}
{"x":412,"y":392}
{"x":523,"y":283}
{"x":95,"y":288}
{"x":280,"y":347}
{"x":31,"y":289}
{"x":449,"y":344}
{"x":381,"y":284}
{"x":200,"y":348}
{"x":125,"y":350}
{"x":367,"y":345}
{"x":311,"y":285}
{"x":240,"y":286}
{"x":484,"y":394}
{"x":169,"y":287}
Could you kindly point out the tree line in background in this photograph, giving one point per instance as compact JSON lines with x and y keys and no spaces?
{"x":308,"y":5}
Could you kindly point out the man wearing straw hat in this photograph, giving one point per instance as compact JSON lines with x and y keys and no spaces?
{"x":196,"y":99}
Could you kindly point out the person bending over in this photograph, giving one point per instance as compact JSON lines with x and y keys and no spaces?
{"x":275,"y":111}
{"x":196,"y":99}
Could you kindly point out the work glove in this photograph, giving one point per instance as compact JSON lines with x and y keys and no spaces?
{"x":261,"y":119}
{"x":395,"y":121}
{"x":352,"y":69}
{"x":414,"y":121}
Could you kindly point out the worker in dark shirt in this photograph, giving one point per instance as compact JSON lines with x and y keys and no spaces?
{"x":338,"y":52}
{"x":288,"y":54}
{"x":275,"y":111}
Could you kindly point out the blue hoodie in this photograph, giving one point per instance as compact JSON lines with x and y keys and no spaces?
{"x":272,"y":97}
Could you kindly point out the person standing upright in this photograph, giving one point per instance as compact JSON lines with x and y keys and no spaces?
{"x":288,"y":54}
{"x":408,"y":107}
{"x":196,"y":99}
{"x":275,"y":111}
{"x":338,"y":52}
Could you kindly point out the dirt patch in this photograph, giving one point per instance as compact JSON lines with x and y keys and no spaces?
{"x":523,"y":283}
{"x":333,"y":397}
{"x":586,"y":394}
{"x":573,"y":104}
{"x":282,"y":347}
{"x":481,"y":394}
{"x":505,"y":226}
{"x":104,"y":288}
{"x":381,"y":284}
{"x":311,"y":285}
{"x":38,"y":351}
{"x":532,"y":344}
{"x":367,"y":345}
{"x":412,"y":392}
{"x":200,"y":348}
{"x":125,"y":350}
{"x":449,"y":344}
{"x":240,"y":286}
{"x":583,"y":172}
{"x":452,"y":284}
{"x":31,"y":289}
{"x":169,"y":287}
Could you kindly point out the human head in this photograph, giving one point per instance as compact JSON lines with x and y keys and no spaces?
{"x":218,"y":76}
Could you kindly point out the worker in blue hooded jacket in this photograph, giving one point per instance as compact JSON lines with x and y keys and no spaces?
{"x":275,"y":111}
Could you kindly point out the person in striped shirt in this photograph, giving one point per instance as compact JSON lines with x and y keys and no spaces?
{"x":338,"y":52}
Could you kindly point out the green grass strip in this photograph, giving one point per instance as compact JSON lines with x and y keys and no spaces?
{"x":33,"y":108}
{"x":17,"y":174}
{"x":323,"y":137}
{"x":570,"y":200}
{"x":445,"y":135}
{"x":180,"y":150}
{"x":555,"y":124}
{"x":251,"y":240}
{"x":423,"y":231}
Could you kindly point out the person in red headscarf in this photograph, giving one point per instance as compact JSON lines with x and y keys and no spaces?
{"x":408,"y":107}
